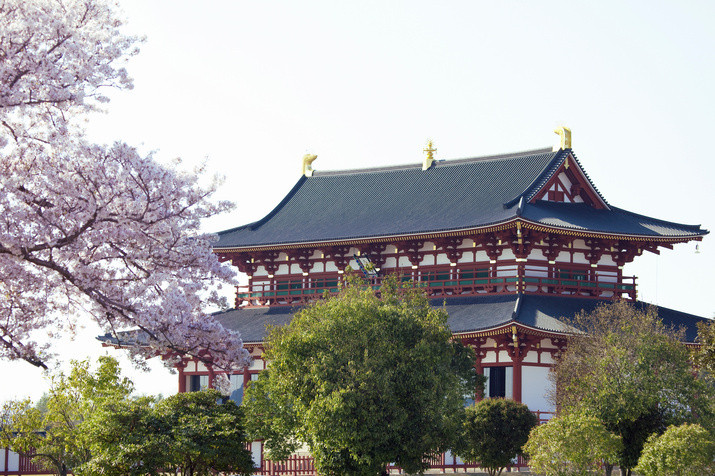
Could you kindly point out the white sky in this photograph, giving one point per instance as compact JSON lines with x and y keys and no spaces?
{"x":252,"y":86}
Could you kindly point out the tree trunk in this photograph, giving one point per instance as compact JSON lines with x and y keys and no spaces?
{"x":608,"y":468}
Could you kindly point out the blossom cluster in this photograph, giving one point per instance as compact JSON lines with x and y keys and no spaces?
{"x":89,"y":229}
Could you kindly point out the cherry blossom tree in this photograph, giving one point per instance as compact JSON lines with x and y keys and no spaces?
{"x":89,"y":229}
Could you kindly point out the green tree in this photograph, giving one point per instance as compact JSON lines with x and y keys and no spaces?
{"x":191,"y":434}
{"x":493,"y":433}
{"x":571,"y":445}
{"x":54,"y":432}
{"x":632,"y":373}
{"x":706,"y":338}
{"x":363,"y":381}
{"x":682,"y":450}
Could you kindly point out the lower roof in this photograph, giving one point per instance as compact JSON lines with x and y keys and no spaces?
{"x":470,"y":314}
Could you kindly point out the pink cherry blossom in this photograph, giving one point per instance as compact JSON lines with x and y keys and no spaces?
{"x":90,"y":229}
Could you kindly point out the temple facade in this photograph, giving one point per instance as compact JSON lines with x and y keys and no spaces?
{"x":508,"y":245}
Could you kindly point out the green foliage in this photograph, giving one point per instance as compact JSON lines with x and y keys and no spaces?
{"x":633,"y":374}
{"x":706,"y":338}
{"x":188,"y":434}
{"x":571,"y":445}
{"x":363,"y":381}
{"x":56,"y":432}
{"x":687,"y":449}
{"x":494,"y":430}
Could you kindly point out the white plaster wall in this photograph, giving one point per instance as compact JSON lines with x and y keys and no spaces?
{"x":190,"y":367}
{"x":282,"y":269}
{"x":467,"y":256}
{"x":261,"y":271}
{"x":390,"y":262}
{"x":565,"y":180}
{"x":580,"y":257}
{"x":546,"y":343}
{"x":534,"y":388}
{"x":442,"y":259}
{"x":467,"y":243}
{"x":404,"y":262}
{"x":531,"y":356}
{"x":330,"y":267}
{"x":546,"y":358}
{"x":536,"y":272}
{"x":427,"y":260}
{"x":13,"y":461}
{"x":490,"y":358}
{"x":504,"y":356}
{"x":256,"y":451}
{"x":507,"y":254}
{"x":257,"y":364}
{"x":537,"y":255}
{"x":480,"y":256}
{"x":607,"y":260}
{"x":200,"y":367}
{"x":428,"y":246}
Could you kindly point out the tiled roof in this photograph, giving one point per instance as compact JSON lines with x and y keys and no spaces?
{"x":452,"y":195}
{"x":470,"y":314}
{"x":581,"y":217}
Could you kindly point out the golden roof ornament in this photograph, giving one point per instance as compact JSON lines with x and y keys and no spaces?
{"x":308,"y":160}
{"x":429,"y":159}
{"x":565,"y":136}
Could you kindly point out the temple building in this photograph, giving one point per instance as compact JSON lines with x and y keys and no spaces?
{"x":508,"y":244}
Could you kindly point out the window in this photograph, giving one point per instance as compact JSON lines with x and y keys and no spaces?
{"x":198,"y":382}
{"x":499,"y":382}
{"x":236,"y":391}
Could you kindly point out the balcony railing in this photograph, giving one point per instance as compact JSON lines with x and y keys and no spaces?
{"x":301,"y":291}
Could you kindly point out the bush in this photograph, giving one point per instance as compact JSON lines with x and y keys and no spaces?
{"x":494,"y":431}
{"x":571,"y":445}
{"x":685,"y":449}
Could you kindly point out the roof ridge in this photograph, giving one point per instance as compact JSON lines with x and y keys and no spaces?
{"x":438,"y":163}
{"x":546,"y":172}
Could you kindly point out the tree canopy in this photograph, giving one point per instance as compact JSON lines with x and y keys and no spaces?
{"x":571,"y":445}
{"x":54,"y":432}
{"x":191,"y":434}
{"x":633,"y":374}
{"x":89,"y":228}
{"x":90,"y":423}
{"x":681,"y":450}
{"x":493,"y":433}
{"x":706,"y":339}
{"x":363,"y":381}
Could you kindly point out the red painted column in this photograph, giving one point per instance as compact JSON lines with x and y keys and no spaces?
{"x":212,"y":376}
{"x":246,"y":376}
{"x":516,"y":375}
{"x":182,"y":377}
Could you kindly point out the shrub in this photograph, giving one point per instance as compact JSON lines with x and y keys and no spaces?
{"x":685,"y":449}
{"x":571,"y":445}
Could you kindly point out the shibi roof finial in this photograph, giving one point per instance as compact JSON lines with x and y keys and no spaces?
{"x":429,"y":160}
{"x":565,"y":135}
{"x":307,"y":164}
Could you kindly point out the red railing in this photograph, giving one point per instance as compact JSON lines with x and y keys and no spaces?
{"x":14,"y":464}
{"x":300,"y":465}
{"x":301,"y":291}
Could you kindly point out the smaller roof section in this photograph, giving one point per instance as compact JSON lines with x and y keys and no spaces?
{"x":471,"y":314}
{"x":450,"y":195}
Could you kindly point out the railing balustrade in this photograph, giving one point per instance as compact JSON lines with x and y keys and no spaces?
{"x":448,"y":282}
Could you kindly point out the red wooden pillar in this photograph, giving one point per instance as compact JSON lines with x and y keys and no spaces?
{"x":516,"y":378}
{"x":246,"y":376}
{"x":182,"y":377}
{"x":212,"y":376}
